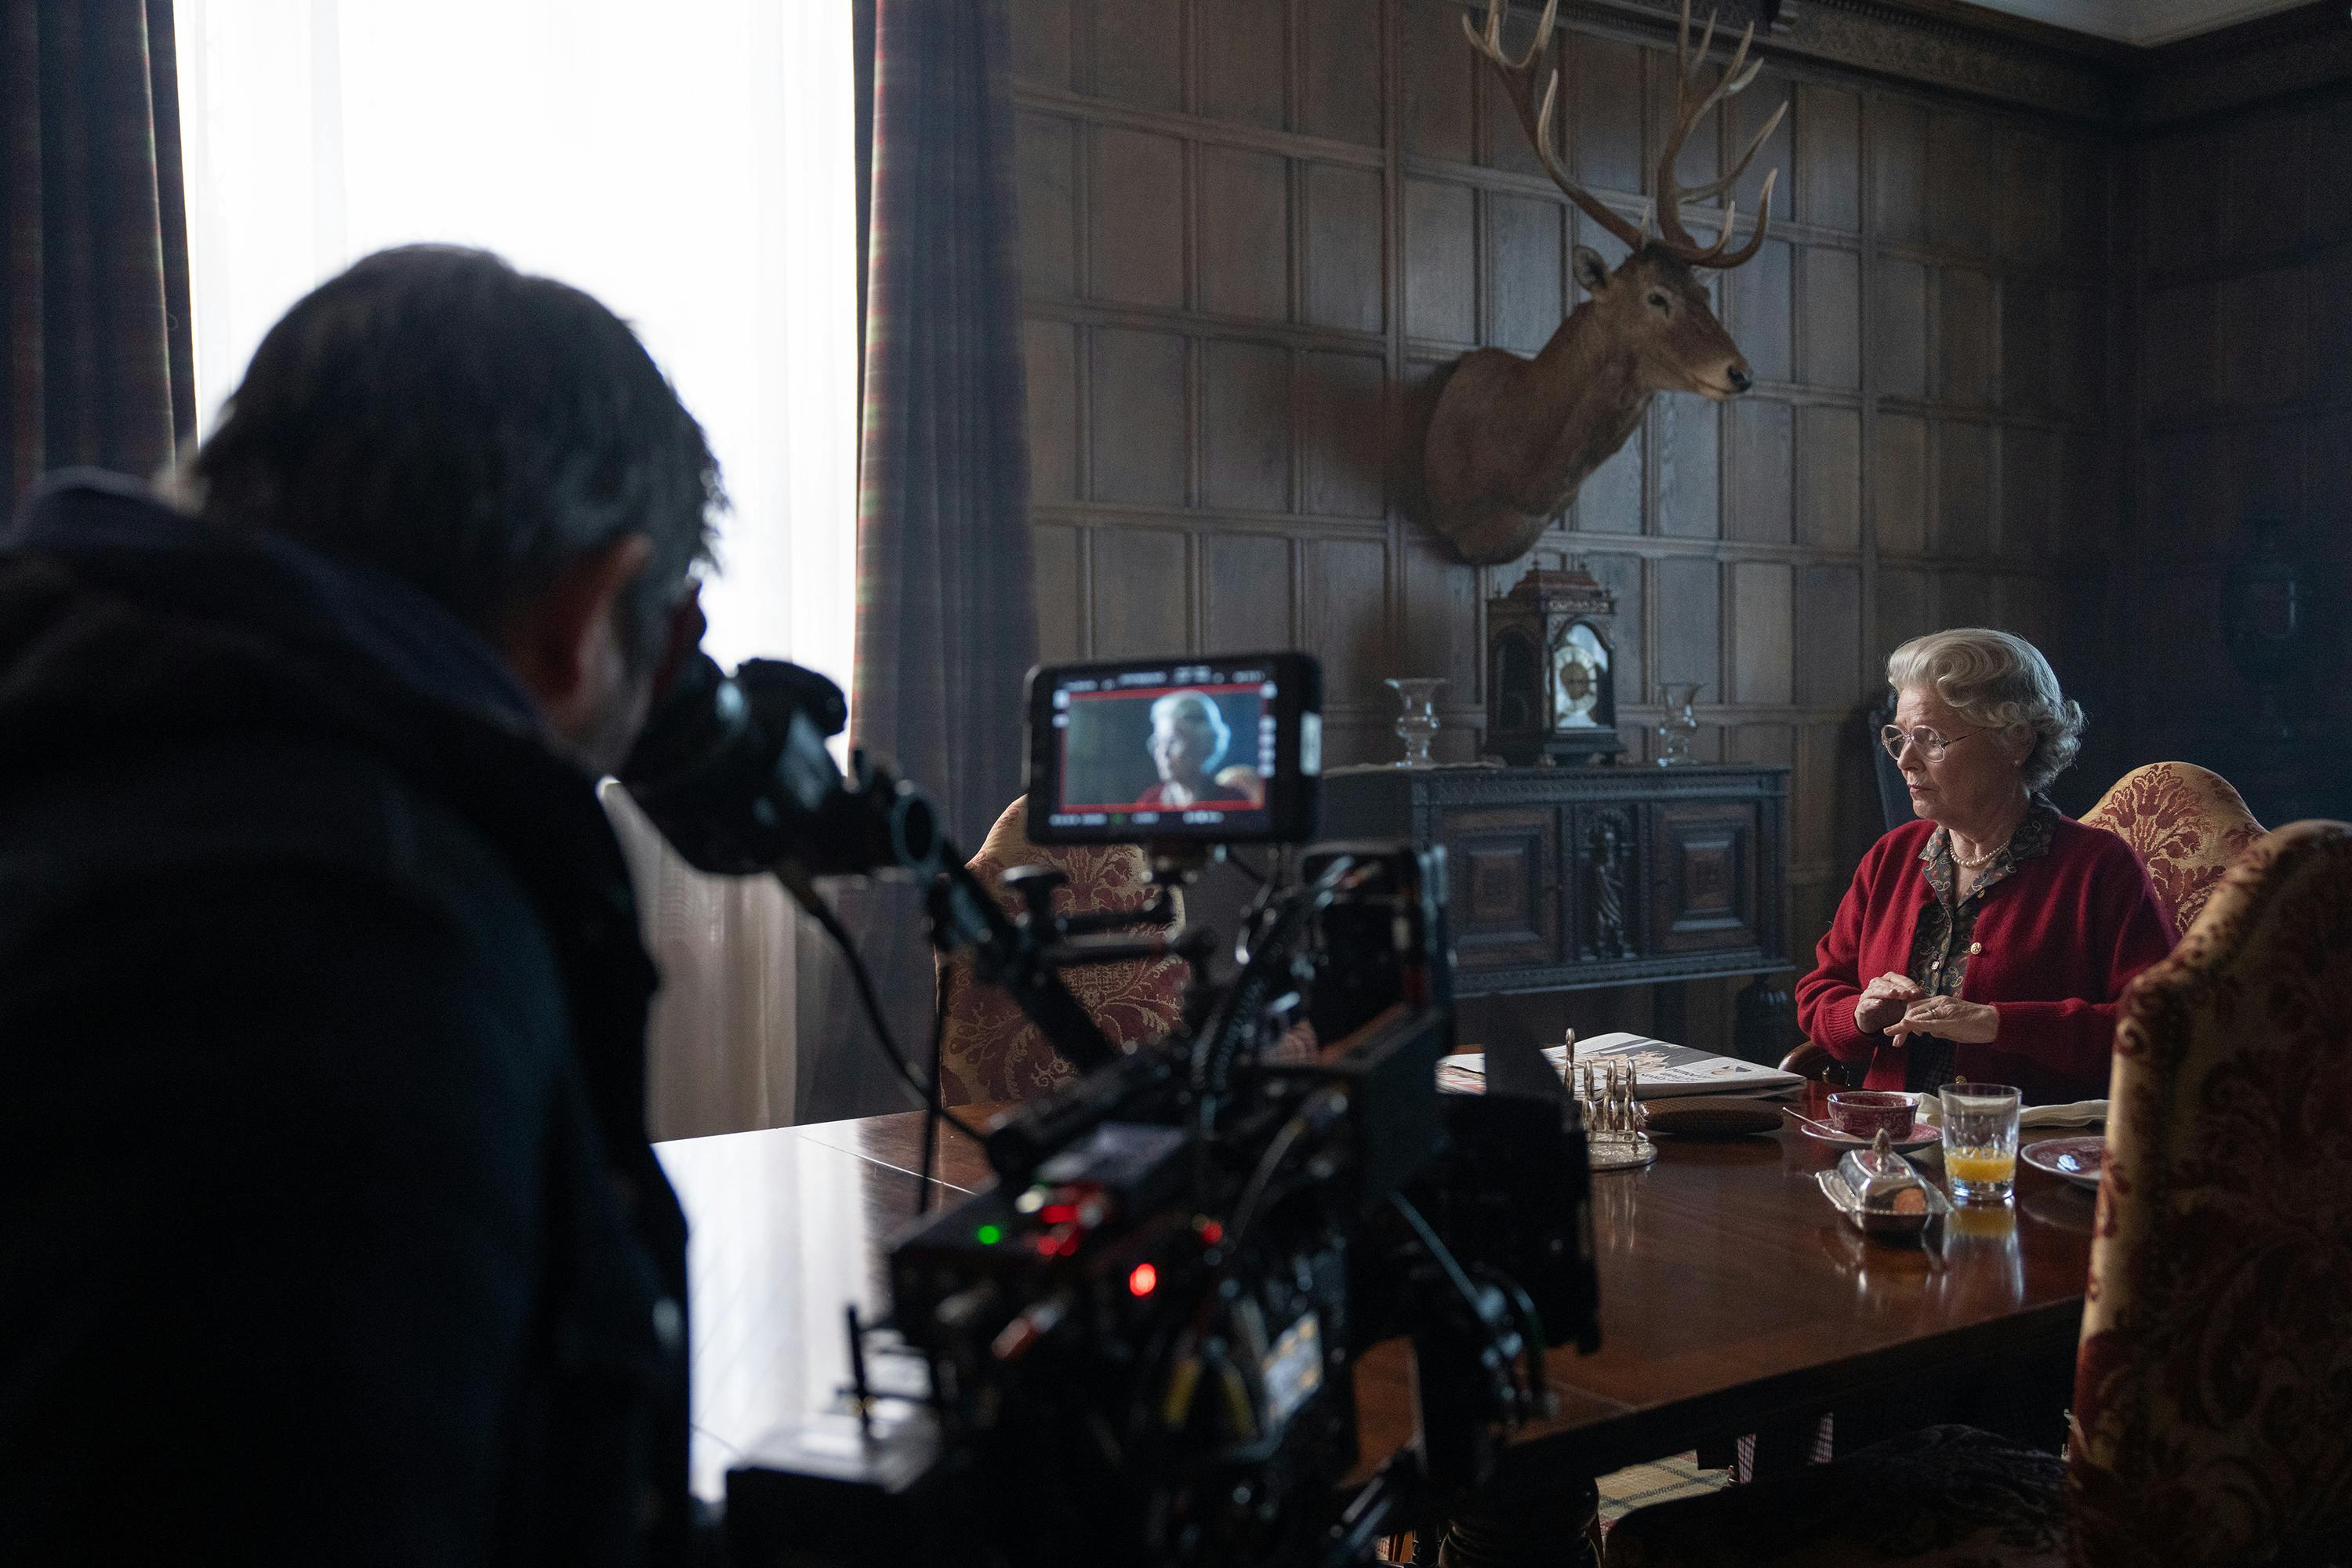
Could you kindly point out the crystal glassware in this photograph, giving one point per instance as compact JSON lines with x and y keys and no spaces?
{"x":1980,"y":1142}
{"x":1679,"y":727}
{"x":1418,"y":727}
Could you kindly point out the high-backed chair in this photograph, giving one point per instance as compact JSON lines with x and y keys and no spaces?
{"x":2213,"y":1421}
{"x":2213,"y":1393}
{"x":990,"y":1050}
{"x":1893,"y":794}
{"x":2188,"y":825}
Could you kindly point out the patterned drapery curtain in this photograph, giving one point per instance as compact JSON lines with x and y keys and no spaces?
{"x":945,"y":626}
{"x":94,"y":295}
{"x":946,"y":621}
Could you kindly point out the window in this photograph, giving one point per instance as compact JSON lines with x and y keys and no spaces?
{"x":691,"y":164}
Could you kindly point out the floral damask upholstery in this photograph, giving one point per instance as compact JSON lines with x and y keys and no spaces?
{"x":990,"y":1051}
{"x":2212,"y":1419}
{"x":2188,"y":825}
{"x":2213,"y":1393}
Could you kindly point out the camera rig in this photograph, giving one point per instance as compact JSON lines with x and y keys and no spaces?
{"x":1139,"y":1345}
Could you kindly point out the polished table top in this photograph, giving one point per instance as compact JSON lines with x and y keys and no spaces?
{"x":1730,"y":1292}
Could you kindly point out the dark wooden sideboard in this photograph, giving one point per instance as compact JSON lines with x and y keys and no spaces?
{"x":1568,"y":878}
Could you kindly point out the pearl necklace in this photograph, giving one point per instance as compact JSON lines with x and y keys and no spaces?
{"x":1965,"y":863}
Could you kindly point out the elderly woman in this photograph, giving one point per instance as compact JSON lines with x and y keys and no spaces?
{"x":1189,"y":738}
{"x":1990,"y":940}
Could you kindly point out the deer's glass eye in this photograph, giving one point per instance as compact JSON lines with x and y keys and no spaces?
{"x":1658,"y":302}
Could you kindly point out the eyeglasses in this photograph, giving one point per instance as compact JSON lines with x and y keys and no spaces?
{"x":1931,"y":745}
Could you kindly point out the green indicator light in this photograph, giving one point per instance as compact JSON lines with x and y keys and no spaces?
{"x":988,"y":1235}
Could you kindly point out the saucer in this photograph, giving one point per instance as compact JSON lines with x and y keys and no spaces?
{"x":2079,"y":1159}
{"x":1920,"y":1136}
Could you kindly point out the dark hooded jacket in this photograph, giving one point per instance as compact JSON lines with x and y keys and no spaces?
{"x":329,"y":1230}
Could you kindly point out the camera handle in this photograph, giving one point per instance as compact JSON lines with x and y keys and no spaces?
{"x":1014,"y":955}
{"x":1082,"y":938}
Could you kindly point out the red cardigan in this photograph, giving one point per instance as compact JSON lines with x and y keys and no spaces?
{"x":2059,"y":938}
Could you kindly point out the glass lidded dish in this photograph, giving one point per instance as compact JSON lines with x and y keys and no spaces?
{"x":1883,"y":1193}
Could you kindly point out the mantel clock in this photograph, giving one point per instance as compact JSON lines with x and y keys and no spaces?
{"x":1551,"y":672}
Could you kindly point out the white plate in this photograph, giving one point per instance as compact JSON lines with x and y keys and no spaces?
{"x":1921,"y":1136}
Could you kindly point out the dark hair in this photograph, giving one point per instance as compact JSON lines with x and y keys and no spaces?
{"x":472,"y":431}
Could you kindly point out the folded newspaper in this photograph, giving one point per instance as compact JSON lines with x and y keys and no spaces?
{"x":1663,"y":1070}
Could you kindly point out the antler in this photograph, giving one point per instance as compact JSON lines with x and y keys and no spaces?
{"x":1689,"y":109}
{"x":1519,"y":81}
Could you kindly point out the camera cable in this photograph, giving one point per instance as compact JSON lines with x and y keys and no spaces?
{"x":1220,"y":1038}
{"x":927,"y":1095}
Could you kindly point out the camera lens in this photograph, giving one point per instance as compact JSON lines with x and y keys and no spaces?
{"x":915,"y":833}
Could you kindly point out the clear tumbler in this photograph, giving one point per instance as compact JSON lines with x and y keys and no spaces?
{"x":1980,"y":1142}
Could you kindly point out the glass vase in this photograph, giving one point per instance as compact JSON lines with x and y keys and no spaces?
{"x":1679,"y":727}
{"x":1418,"y":727}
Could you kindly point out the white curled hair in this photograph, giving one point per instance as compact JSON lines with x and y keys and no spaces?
{"x":2000,"y":681}
{"x":1170,"y":709}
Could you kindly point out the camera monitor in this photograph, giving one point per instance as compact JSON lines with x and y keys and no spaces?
{"x":1224,"y":750}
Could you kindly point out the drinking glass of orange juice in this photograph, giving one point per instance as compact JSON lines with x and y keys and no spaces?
{"x":1980,"y":1142}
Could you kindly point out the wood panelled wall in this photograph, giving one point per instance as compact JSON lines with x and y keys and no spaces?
{"x":1256,"y":232}
{"x":2242,"y":260}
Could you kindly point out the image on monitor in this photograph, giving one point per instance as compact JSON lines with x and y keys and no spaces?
{"x":1189,"y":751}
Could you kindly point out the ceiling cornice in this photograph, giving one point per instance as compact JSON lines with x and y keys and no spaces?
{"x":1933,"y":43}
{"x":2285,"y":53}
{"x":2017,"y":60}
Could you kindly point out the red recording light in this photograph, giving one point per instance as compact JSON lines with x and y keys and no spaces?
{"x":1211,"y":1233}
{"x":1142,"y":1281}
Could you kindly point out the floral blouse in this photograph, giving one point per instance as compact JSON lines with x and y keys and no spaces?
{"x":1944,"y":939}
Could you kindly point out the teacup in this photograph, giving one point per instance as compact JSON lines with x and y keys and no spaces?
{"x":1866,"y":1112}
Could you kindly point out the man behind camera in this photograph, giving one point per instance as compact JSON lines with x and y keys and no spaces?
{"x":330,"y":1230}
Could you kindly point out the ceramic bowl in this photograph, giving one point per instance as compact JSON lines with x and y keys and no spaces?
{"x":1863,"y":1113}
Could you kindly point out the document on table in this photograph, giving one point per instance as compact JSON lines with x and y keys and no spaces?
{"x":1664,"y":1069}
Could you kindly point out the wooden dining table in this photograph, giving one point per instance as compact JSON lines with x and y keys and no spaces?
{"x":1731,"y":1295}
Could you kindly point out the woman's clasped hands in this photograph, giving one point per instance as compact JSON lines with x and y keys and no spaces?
{"x":1895,"y":1006}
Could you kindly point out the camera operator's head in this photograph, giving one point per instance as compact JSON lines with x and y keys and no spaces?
{"x":503,"y":443}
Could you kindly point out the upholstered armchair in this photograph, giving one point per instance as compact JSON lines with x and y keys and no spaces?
{"x":2212,"y":1419}
{"x":2188,"y":825}
{"x":990,"y":1050}
{"x":2213,"y":1393}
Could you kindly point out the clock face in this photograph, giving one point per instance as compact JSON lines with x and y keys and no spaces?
{"x":1579,"y":674}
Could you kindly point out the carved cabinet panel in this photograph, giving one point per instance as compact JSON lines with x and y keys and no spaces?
{"x":1503,"y":882}
{"x":1703,"y":865}
{"x":1564,"y":877}
{"x":1608,"y":892}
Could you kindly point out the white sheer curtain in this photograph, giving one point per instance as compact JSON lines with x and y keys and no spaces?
{"x":691,"y":165}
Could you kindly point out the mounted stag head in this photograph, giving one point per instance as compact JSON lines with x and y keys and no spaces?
{"x":1512,"y":438}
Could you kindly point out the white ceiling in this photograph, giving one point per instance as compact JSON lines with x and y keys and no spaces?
{"x":2140,"y":22}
